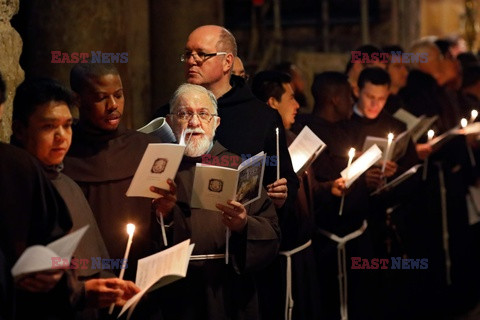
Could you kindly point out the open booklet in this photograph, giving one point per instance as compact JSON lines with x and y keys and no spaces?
{"x":416,"y":125}
{"x":359,"y":166}
{"x":398,"y":180}
{"x":305,"y":149}
{"x":160,"y":128}
{"x":41,"y":258}
{"x":397,"y":149}
{"x":158,"y":270}
{"x":214,"y":184}
{"x":159,"y":163}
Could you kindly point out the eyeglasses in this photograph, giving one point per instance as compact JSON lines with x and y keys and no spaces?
{"x":204,"y":116}
{"x":199,"y":57}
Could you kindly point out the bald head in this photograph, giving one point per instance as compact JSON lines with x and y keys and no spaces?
{"x":209,"y":56}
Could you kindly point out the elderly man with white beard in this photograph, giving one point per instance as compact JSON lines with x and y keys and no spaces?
{"x":212,"y":289}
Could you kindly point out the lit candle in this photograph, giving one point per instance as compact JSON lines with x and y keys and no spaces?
{"x":390,"y":139}
{"x":463,"y":123}
{"x":474,"y":115}
{"x":351,"y":154}
{"x":430,"y":135}
{"x":130,"y":231}
{"x":278,"y":154}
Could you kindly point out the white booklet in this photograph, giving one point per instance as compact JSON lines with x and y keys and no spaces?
{"x":359,"y":166}
{"x":160,"y":128}
{"x":214,"y":184}
{"x":41,"y":258}
{"x":416,"y":125}
{"x":160,"y":269}
{"x":159,"y":163}
{"x":398,"y":180}
{"x":305,"y":149}
{"x":397,"y":149}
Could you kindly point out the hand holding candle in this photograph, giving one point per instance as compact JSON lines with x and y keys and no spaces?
{"x":351,"y":154}
{"x":130,"y":231}
{"x":385,"y":158}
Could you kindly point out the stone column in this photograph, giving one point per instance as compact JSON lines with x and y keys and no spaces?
{"x":10,"y":50}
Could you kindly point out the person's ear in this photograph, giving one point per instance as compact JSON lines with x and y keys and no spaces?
{"x":273,"y":103}
{"x":228,"y":63}
{"x":217,"y":122}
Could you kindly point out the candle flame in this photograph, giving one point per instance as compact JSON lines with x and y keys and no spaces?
{"x":276,"y":130}
{"x":130,"y":229}
{"x":430,"y":134}
{"x":390,"y":136}
{"x":351,"y":153}
{"x":474,"y":114}
{"x":463,"y":122}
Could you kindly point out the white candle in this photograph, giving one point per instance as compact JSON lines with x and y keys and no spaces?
{"x":390,"y":139}
{"x":463,"y":124}
{"x":430,"y":135}
{"x":278,"y":154}
{"x":474,"y":115}
{"x":351,"y":154}
{"x":130,"y":231}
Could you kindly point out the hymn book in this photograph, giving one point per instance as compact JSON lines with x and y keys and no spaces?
{"x":159,"y":128}
{"x":159,"y":270}
{"x":38,"y":258}
{"x":397,"y":149}
{"x":215,"y":184}
{"x":398,"y":180}
{"x":159,"y":163}
{"x":362,"y":164}
{"x":305,"y":149}
{"x":416,"y":125}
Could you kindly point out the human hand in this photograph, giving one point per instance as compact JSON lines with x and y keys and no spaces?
{"x":423,"y":150}
{"x":234,"y":216}
{"x":101,"y":293}
{"x":40,"y":281}
{"x":390,"y":169}
{"x":278,"y":192}
{"x":338,"y":187}
{"x":167,"y":200}
{"x":374,"y":178}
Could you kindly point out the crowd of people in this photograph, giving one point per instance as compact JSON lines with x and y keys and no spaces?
{"x":311,"y":247}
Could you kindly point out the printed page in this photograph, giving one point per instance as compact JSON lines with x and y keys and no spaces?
{"x":160,"y":128}
{"x":39,"y":258}
{"x":305,"y":148}
{"x":409,"y":119}
{"x":212,"y":185}
{"x":160,"y":269}
{"x":362,"y":164}
{"x":250,"y":179}
{"x":398,"y":180}
{"x":159,"y":163}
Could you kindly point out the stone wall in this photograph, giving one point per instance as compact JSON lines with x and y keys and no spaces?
{"x":10,"y":50}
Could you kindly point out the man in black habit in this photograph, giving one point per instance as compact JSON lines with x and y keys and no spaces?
{"x":248,"y":124}
{"x":332,"y":107}
{"x":42,"y":126}
{"x":212,"y":288}
{"x":103,"y":159}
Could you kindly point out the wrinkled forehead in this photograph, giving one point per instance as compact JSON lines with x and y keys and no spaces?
{"x":202,"y":40}
{"x":195,"y":100}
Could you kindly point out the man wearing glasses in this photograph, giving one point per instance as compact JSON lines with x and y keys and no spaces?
{"x":212,"y":288}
